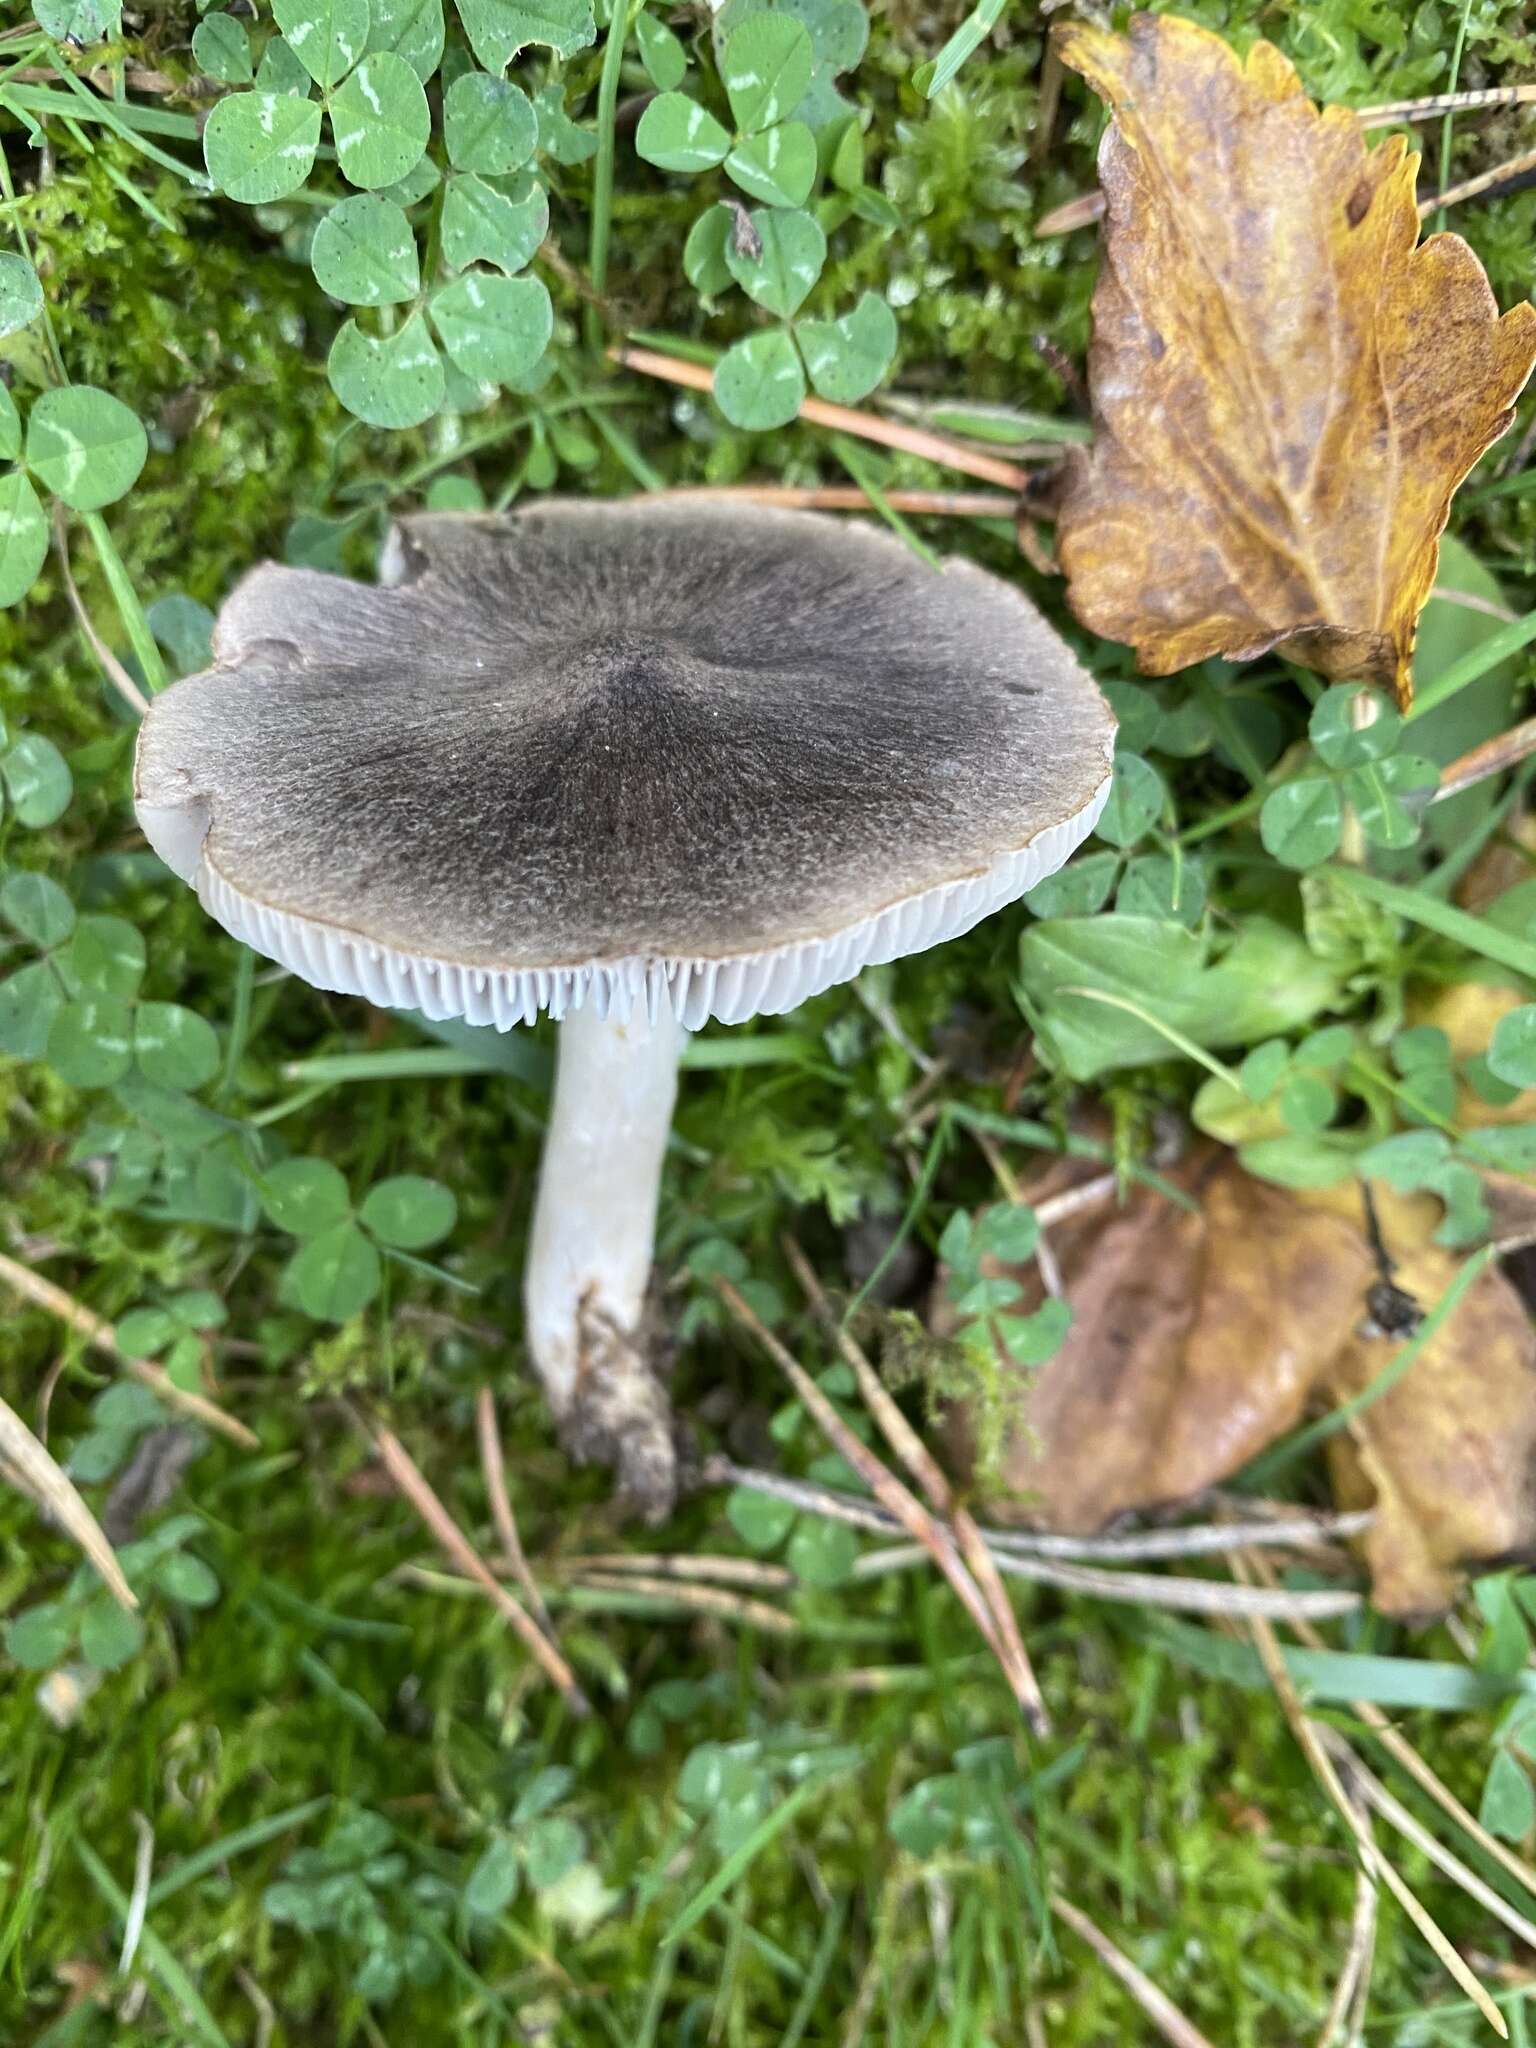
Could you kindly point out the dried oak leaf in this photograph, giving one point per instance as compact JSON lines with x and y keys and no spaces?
{"x":1200,"y":1337}
{"x":1286,"y":390}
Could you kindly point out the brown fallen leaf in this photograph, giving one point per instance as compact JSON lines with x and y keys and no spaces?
{"x":1445,"y":1454}
{"x":1286,"y":390}
{"x":1198,"y":1339}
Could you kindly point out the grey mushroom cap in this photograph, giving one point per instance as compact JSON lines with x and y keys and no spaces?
{"x":677,"y":750}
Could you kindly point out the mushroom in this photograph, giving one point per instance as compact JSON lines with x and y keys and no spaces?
{"x":638,"y":765}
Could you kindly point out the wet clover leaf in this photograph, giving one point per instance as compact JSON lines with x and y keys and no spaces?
{"x":23,"y":537}
{"x":1301,"y":821}
{"x":41,"y":1636}
{"x":488,"y":124}
{"x":1136,"y":800}
{"x":778,"y":166}
{"x":791,"y":252}
{"x":90,"y":1041}
{"x":409,"y":1212}
{"x":1156,"y":885}
{"x":184,"y":1578}
{"x":174,"y":1046}
{"x":493,"y":328}
{"x":106,"y":956}
{"x":260,"y":146}
{"x":1350,"y":726}
{"x":498,"y":29}
{"x":847,"y":358}
{"x":79,"y":21}
{"x":1389,"y":797}
{"x":364,"y":253}
{"x":664,"y":58}
{"x":559,"y":136}
{"x":759,"y":383}
{"x":493,"y":1883}
{"x":30,"y":1000}
{"x":109,"y":1635}
{"x":822,"y":1553}
{"x":85,"y":445}
{"x":222,"y":49}
{"x":1508,"y":1805}
{"x":380,"y":121}
{"x":394,"y":382}
{"x":677,"y":134}
{"x":36,"y":780}
{"x":483,"y":225}
{"x":334,"y":1275}
{"x":38,"y":908}
{"x":704,"y":263}
{"x":327,"y":36}
{"x":1077,"y":890}
{"x":765,"y":70}
{"x":1512,"y":1053}
{"x":281,"y":72}
{"x":839,"y":31}
{"x":761,"y":1521}
{"x":305,"y":1196}
{"x":184,"y":631}
{"x":21,"y":294}
{"x":411,"y":29}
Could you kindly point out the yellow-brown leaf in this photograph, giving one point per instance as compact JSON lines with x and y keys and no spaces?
{"x":1198,"y":1339}
{"x":1287,"y":390}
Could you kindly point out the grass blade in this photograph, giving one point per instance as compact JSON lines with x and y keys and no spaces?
{"x":741,"y":1858}
{"x":162,"y":1963}
{"x":1474,"y":664}
{"x":229,"y":1846}
{"x":1460,"y":926}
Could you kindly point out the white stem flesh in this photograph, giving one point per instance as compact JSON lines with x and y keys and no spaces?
{"x":594,"y":1225}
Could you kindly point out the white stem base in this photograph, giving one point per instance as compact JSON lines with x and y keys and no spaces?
{"x":592,"y":1243}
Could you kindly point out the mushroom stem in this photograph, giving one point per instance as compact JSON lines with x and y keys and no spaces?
{"x":589,"y":1257}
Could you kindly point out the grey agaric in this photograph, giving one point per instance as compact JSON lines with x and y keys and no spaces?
{"x":636,"y":764}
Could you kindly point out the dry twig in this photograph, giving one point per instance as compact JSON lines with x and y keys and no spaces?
{"x":844,"y":419}
{"x":110,"y":666}
{"x":1352,"y":1988}
{"x":1084,"y":208}
{"x":493,"y":1466}
{"x":101,"y":1336}
{"x":51,"y":1487}
{"x":412,"y":1483}
{"x":909,"y":1447}
{"x":716,"y":1600}
{"x":1504,"y":750}
{"x":1145,"y":1589}
{"x":904,"y":1508}
{"x":899,"y":1502}
{"x":848,"y":498}
{"x":1158,"y":2007}
{"x":1485,"y":181}
{"x":1326,"y":1756}
{"x":1198,"y":1596}
{"x":724,"y":1571}
{"x":1403,"y":1753}
{"x":1396,"y":1815}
